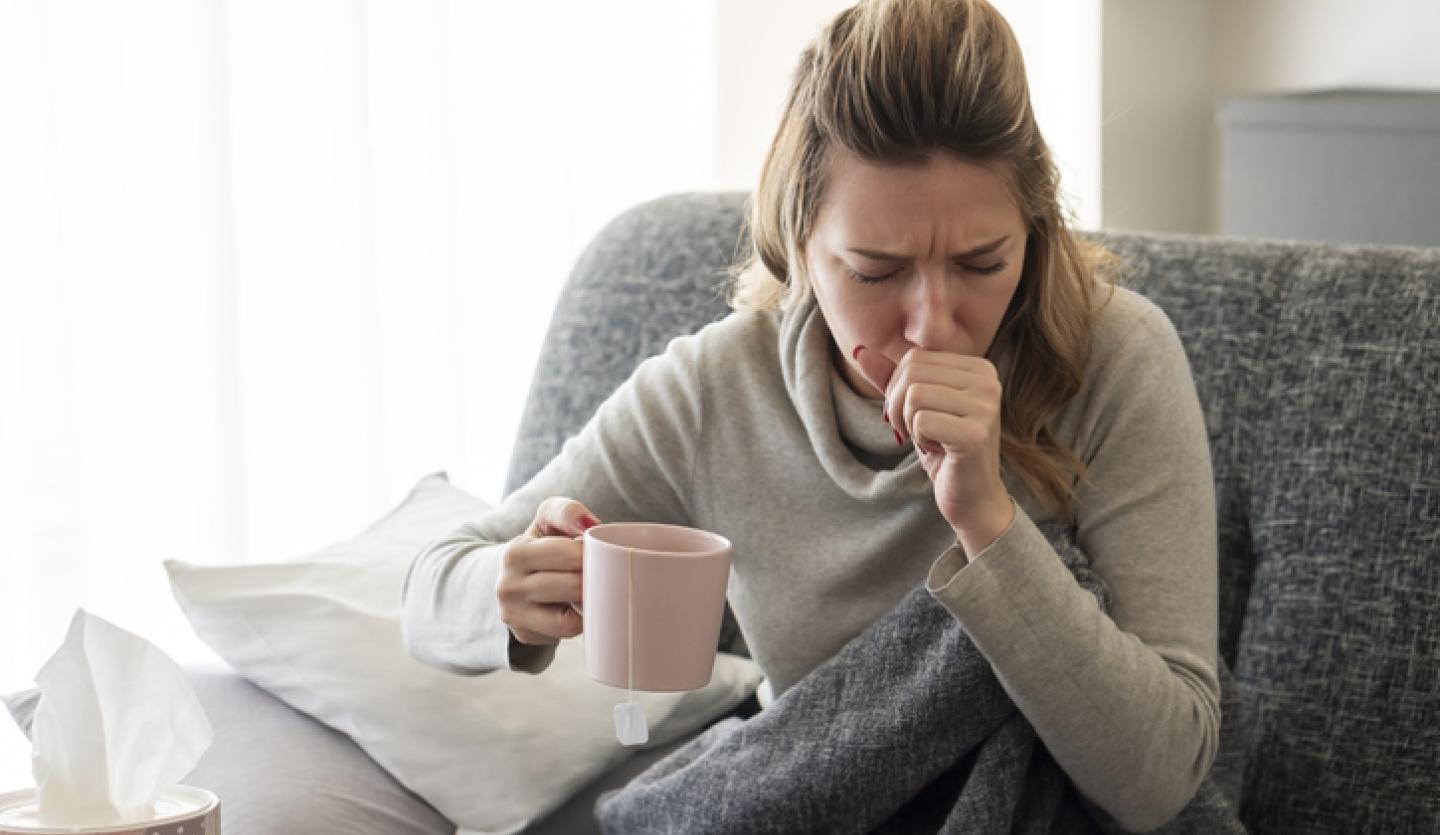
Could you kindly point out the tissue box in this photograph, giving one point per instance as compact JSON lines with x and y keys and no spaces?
{"x":180,"y":810}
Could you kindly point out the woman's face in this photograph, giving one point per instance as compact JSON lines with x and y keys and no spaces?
{"x":946,"y":242}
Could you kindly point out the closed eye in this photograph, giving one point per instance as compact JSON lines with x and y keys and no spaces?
{"x":876,"y":279}
{"x":869,"y":279}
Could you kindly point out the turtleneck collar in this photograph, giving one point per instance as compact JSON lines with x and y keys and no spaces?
{"x":853,"y":444}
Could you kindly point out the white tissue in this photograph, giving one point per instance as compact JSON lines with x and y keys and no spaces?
{"x":117,"y":724}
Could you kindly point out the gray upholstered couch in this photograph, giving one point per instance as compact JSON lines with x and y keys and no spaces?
{"x":1319,"y":370}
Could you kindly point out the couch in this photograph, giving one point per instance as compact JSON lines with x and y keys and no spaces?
{"x":1318,"y":366}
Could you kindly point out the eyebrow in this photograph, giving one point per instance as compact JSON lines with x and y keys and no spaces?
{"x":983,"y":249}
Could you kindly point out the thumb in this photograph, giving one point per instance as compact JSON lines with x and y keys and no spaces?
{"x":875,"y":366}
{"x":559,"y":516}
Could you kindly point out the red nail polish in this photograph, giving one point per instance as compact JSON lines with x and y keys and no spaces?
{"x":588,"y":522}
{"x":884,"y":415}
{"x":855,"y":354}
{"x":897,"y":437}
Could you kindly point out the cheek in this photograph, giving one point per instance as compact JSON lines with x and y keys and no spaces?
{"x":988,"y":314}
{"x":853,"y":317}
{"x":985,"y":322}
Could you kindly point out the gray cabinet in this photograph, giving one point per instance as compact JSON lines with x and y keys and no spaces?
{"x":1344,"y":165}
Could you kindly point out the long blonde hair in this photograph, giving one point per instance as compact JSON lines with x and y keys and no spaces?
{"x":895,"y":81}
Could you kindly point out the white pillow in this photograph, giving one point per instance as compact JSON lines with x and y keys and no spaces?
{"x":491,"y":753}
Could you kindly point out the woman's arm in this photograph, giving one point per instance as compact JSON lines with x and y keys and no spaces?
{"x":1127,"y":702}
{"x":632,"y":461}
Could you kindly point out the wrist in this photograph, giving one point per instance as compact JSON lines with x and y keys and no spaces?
{"x":987,"y":526}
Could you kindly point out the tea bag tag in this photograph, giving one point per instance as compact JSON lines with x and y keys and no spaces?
{"x":630,"y":725}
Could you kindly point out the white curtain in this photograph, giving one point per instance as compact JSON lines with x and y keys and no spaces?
{"x":263,"y":264}
{"x":1062,"y":43}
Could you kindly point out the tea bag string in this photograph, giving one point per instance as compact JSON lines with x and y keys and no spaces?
{"x":631,"y":727}
{"x":630,"y":623}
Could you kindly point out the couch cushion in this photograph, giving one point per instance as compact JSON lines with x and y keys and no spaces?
{"x":1319,"y":370}
{"x":1341,"y":645}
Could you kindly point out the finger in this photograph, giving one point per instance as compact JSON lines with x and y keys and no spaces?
{"x":946,"y":399}
{"x":900,"y":382}
{"x":895,"y":401}
{"x":554,"y":587}
{"x":944,"y":432}
{"x":958,"y":391}
{"x":978,"y":365}
{"x":957,"y":371}
{"x":559,"y":516}
{"x":552,"y":620}
{"x":551,"y":553}
{"x":875,"y":367}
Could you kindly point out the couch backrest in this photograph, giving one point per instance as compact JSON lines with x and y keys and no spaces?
{"x":1319,"y":369}
{"x":1318,"y":366}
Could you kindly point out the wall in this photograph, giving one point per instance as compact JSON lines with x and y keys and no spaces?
{"x":1280,"y":46}
{"x":759,"y":43}
{"x":1168,"y":67}
{"x":1157,"y":100}
{"x":1316,"y":44}
{"x":1126,"y":91}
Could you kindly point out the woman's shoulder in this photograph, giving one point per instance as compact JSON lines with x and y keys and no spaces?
{"x":744,"y":323}
{"x":740,"y":341}
{"x":1137,"y":367}
{"x":1123,"y":316}
{"x":740,"y":333}
{"x":1127,"y":329}
{"x":1134,"y":351}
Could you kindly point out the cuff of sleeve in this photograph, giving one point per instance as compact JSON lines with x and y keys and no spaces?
{"x":498,"y":644}
{"x":525,"y":658}
{"x":1019,"y":574}
{"x":477,"y":641}
{"x":461,"y":632}
{"x":954,"y":559}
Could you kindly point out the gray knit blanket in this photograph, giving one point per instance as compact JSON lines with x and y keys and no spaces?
{"x":905,"y":730}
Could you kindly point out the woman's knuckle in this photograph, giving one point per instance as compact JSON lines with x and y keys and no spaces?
{"x":543,"y":512}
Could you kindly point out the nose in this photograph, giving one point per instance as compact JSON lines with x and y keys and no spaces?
{"x":930,"y":314}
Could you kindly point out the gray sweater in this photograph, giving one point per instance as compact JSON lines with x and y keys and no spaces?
{"x":747,"y":429}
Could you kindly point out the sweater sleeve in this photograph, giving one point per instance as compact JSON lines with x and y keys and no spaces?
{"x":632,"y":461}
{"x":1127,"y":702}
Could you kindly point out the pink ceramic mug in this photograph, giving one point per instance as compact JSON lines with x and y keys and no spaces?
{"x":659,"y":589}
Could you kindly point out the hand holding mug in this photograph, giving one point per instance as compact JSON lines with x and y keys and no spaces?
{"x":541,"y":587}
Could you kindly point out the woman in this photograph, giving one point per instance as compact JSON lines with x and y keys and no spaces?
{"x":923,"y":365}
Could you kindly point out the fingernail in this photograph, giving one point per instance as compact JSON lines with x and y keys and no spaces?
{"x":897,"y":437}
{"x":588,"y":522}
{"x":884,"y":415}
{"x":855,"y":354}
